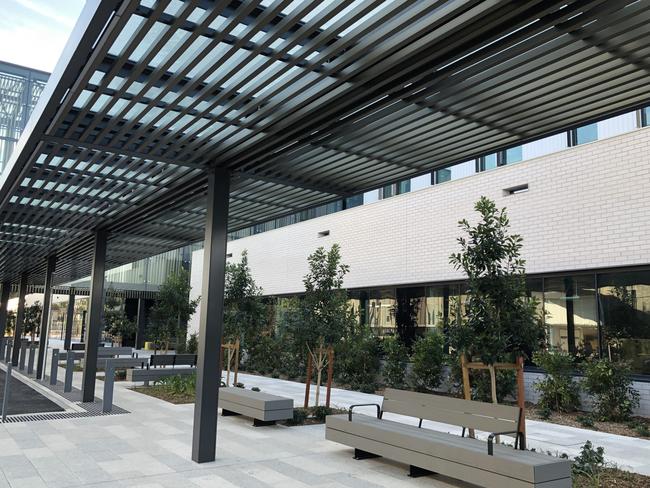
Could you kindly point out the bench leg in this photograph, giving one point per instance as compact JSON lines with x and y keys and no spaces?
{"x":262,"y":423}
{"x":359,"y":455}
{"x":415,"y":472}
{"x":228,"y":413}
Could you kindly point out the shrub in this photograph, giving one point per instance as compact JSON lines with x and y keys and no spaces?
{"x":357,"y":360}
{"x":255,"y":388}
{"x":586,"y":421}
{"x":611,"y":385}
{"x":544,"y":413}
{"x":320,"y":412}
{"x":428,"y":362}
{"x":299,"y":416}
{"x":642,"y":430}
{"x":178,"y":385}
{"x":482,"y":384}
{"x":396,"y":357}
{"x":192,"y":346}
{"x":590,"y":463}
{"x":558,"y":390}
{"x":264,"y":355}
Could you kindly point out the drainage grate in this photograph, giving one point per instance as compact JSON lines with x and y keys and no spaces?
{"x":91,"y":409}
{"x":63,"y":415}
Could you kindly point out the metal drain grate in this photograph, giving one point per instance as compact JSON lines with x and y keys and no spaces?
{"x":63,"y":415}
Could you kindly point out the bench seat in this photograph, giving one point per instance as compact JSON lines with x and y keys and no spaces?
{"x":260,"y":406}
{"x":448,"y":454}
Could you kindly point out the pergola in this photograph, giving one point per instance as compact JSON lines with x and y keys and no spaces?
{"x":167,"y":121}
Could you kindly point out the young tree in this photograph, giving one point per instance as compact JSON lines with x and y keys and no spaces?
{"x":326,"y":316}
{"x":116,"y":323}
{"x":244,"y":308}
{"x":32,"y":320}
{"x":172,"y":309}
{"x":500,"y":320}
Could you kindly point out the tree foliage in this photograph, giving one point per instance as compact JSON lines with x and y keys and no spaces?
{"x":325,"y":313}
{"x":500,"y":320}
{"x":116,"y":323}
{"x":244,"y":308}
{"x":32,"y":320}
{"x":172,"y":309}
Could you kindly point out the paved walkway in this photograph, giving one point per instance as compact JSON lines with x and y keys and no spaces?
{"x":150,"y":448}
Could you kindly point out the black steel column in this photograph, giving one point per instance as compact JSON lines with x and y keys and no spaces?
{"x":44,"y":334}
{"x":94,"y":327}
{"x":4,"y":300}
{"x":204,"y":439}
{"x":141,"y":321}
{"x":20,"y":318}
{"x":69,"y":318}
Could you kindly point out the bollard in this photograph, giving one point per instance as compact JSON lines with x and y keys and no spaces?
{"x":7,"y":392}
{"x":10,"y":343}
{"x":109,"y":379}
{"x":69,"y":370}
{"x":2,"y":346}
{"x":30,"y":361}
{"x":55,"y":366}
{"x":23,"y":353}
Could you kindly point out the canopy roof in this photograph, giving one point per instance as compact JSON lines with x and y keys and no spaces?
{"x":304,"y":101}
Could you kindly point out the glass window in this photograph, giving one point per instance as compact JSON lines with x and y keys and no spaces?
{"x":456,"y":171}
{"x":388,"y":191}
{"x":380,"y":310}
{"x":645,"y":117}
{"x":544,"y":146}
{"x":354,"y":201}
{"x":420,"y":182}
{"x":625,"y":307}
{"x":571,"y":317}
{"x":370,"y":196}
{"x":404,"y":187}
{"x":513,"y":155}
{"x":617,"y":125}
{"x":490,"y":161}
{"x":586,"y":133}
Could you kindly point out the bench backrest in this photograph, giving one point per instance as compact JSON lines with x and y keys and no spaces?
{"x":185,"y":360}
{"x":162,"y":360}
{"x":486,"y":417}
{"x":104,"y":352}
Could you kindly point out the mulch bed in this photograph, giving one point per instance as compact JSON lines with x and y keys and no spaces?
{"x":612,"y":477}
{"x":571,"y":420}
{"x":163,"y":394}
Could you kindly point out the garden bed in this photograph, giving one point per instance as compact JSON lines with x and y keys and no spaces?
{"x":613,"y":477}
{"x":163,"y":393}
{"x":634,"y":428}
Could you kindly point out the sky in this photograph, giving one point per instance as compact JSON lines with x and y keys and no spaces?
{"x":34,"y":32}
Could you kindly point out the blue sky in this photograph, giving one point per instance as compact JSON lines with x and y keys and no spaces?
{"x":34,"y":32}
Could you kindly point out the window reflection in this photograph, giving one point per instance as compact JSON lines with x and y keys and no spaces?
{"x":571,"y":316}
{"x":625,"y":308}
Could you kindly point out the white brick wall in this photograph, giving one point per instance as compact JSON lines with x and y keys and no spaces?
{"x":586,"y":207}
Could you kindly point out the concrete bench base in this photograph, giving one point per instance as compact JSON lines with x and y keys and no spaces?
{"x":263,"y":408}
{"x":428,"y":451}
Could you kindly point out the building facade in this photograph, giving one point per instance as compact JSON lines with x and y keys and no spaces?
{"x":581,"y":207}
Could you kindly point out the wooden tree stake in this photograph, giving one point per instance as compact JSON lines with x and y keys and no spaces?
{"x":308,"y":381}
{"x":330,"y":374}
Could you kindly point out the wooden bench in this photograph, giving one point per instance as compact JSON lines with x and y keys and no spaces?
{"x":153,"y":374}
{"x":428,"y":451}
{"x":265,"y":409}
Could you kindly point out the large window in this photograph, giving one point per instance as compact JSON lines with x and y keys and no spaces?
{"x":456,"y":171}
{"x":584,"y":134}
{"x":625,"y":311}
{"x":571,"y":314}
